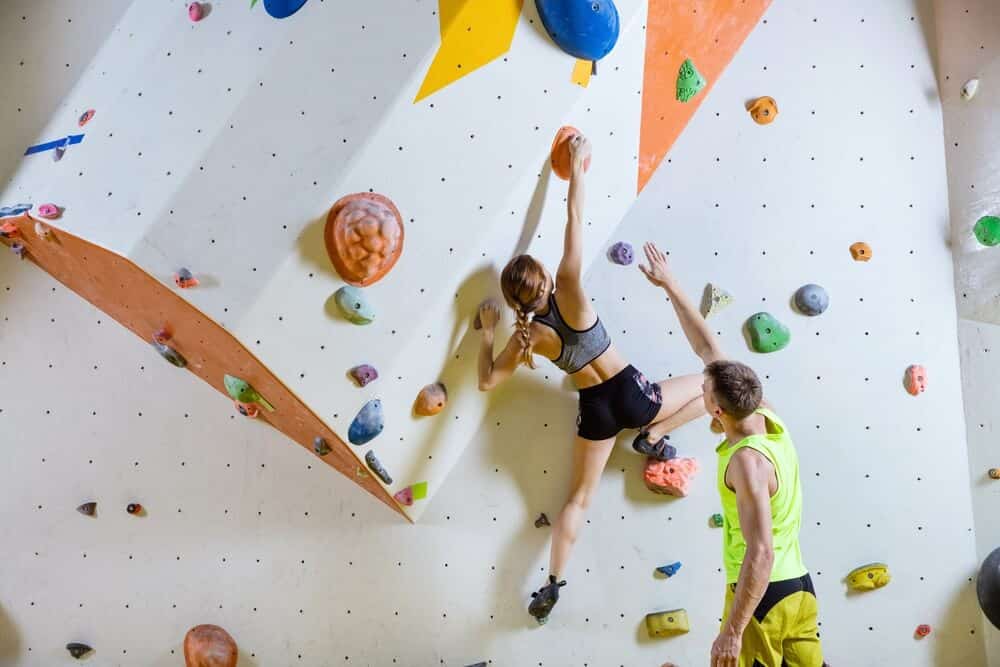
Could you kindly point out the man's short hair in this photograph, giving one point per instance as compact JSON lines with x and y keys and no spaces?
{"x":736,"y":387}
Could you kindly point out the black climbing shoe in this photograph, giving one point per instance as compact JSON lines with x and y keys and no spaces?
{"x":543,"y":601}
{"x":660,"y":450}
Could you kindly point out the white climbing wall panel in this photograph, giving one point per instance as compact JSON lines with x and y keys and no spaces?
{"x":244,"y":531}
{"x":967,"y":49}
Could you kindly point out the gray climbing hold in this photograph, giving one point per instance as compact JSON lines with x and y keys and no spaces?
{"x":170,"y":354}
{"x":78,"y":650}
{"x":364,"y":374}
{"x":87,"y":509}
{"x":767,"y":334}
{"x":714,"y":300}
{"x":368,"y":424}
{"x":811,"y":299}
{"x":988,"y":587}
{"x":320,"y":446}
{"x":354,"y":305}
{"x":621,"y":253}
{"x":376,"y":467}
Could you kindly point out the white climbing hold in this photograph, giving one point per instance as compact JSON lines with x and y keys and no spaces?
{"x":969,"y":89}
{"x":715,"y":300}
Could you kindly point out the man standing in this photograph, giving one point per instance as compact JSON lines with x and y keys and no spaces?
{"x":770,"y":615}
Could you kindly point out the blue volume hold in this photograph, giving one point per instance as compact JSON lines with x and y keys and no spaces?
{"x":585,"y":29}
{"x":282,"y":9}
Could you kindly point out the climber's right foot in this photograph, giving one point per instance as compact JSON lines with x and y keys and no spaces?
{"x":544,"y":600}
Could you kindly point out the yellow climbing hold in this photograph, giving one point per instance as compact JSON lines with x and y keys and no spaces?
{"x":667,"y":623}
{"x":473,"y":33}
{"x":581,"y":73}
{"x":869,"y":577}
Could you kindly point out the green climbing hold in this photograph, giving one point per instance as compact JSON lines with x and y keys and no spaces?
{"x":689,"y":81}
{"x":353,"y":305}
{"x":987,"y":230}
{"x":419,"y":490}
{"x":767,"y":334}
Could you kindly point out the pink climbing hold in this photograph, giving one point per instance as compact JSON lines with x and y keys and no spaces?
{"x":85,"y":117}
{"x":404,"y":496}
{"x":247,"y":409}
{"x":195,"y":11}
{"x":915,"y":380}
{"x":364,"y":374}
{"x":49,"y":211}
{"x":672,"y":477}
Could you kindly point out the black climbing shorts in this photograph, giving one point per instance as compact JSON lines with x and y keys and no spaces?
{"x":628,"y":400}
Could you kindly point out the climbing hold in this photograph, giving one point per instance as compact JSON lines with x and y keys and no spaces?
{"x":320,"y":446}
{"x":195,"y":11}
{"x":78,"y":650}
{"x":18,"y":249}
{"x":811,"y":299}
{"x":376,"y":467}
{"x":16,"y":209}
{"x":185,"y":279}
{"x":542,"y":520}
{"x":767,"y":334}
{"x":133,"y":508}
{"x":969,"y":89}
{"x":209,"y":646}
{"x":163,"y":334}
{"x":87,"y":509}
{"x":413,"y":492}
{"x":669,"y":570}
{"x":915,"y":379}
{"x":49,"y":211}
{"x":861,"y":251}
{"x":994,"y":473}
{"x":354,"y":305}
{"x":9,"y":230}
{"x":690,"y":82}
{"x":247,"y":410}
{"x":86,"y":117}
{"x":763,"y":110}
{"x":42,"y":231}
{"x":621,"y":253}
{"x":716,"y":520}
{"x":170,"y":354}
{"x":240,"y":390}
{"x":868,"y":577}
{"x":559,"y":155}
{"x":404,"y":496}
{"x":988,"y":587}
{"x":368,"y":424}
{"x":364,"y":374}
{"x":987,"y":230}
{"x":667,"y":623}
{"x":672,"y":477}
{"x":431,"y":400}
{"x":714,"y":300}
{"x":585,"y":29}
{"x":922,"y":631}
{"x":364,"y":237}
{"x":282,"y":9}
{"x":58,"y":152}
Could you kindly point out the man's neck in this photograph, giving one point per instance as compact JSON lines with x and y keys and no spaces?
{"x":737,"y":430}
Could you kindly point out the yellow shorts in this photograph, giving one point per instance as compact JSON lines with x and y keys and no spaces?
{"x":783,"y":630}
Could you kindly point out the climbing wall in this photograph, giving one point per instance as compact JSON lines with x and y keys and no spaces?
{"x":244,"y":531}
{"x":967,"y":51}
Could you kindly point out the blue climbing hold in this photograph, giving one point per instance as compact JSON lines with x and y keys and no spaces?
{"x":585,"y":29}
{"x":368,"y":424}
{"x":282,"y":9}
{"x":811,"y":299}
{"x":669,"y":570}
{"x":16,"y":209}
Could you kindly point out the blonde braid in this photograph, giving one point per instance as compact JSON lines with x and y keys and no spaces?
{"x":523,"y":325}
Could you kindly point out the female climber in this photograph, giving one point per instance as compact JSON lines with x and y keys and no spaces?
{"x":555,"y":320}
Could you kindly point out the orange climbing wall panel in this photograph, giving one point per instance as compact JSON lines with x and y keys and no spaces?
{"x":709,"y":32}
{"x":143,"y":304}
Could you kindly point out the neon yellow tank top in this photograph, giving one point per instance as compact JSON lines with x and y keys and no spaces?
{"x":786,"y":504}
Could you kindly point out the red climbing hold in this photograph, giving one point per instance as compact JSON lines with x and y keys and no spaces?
{"x":562,"y":160}
{"x":134,"y":508}
{"x":922,"y":630}
{"x":247,"y":409}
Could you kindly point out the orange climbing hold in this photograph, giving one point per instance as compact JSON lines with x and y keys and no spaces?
{"x":763,"y":110}
{"x":561,"y":159}
{"x":861,"y":251}
{"x":671,"y":477}
{"x":209,"y":646}
{"x":915,"y":380}
{"x":431,"y":400}
{"x":364,"y":237}
{"x":994,"y":473}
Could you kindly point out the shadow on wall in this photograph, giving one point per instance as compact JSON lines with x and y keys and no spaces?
{"x":925,"y":14}
{"x":10,"y":640}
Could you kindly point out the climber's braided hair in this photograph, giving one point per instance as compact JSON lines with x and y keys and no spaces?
{"x":523,"y":282}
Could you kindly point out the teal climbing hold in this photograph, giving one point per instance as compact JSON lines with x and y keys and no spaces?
{"x":987,"y":230}
{"x":368,"y":424}
{"x":354,"y":305}
{"x":690,"y":82}
{"x":767,"y":334}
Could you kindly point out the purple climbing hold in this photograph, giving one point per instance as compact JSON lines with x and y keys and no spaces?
{"x":621,"y":253}
{"x":18,"y":249}
{"x":364,"y":374}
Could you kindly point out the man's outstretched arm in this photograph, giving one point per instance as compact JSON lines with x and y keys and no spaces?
{"x":701,"y":338}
